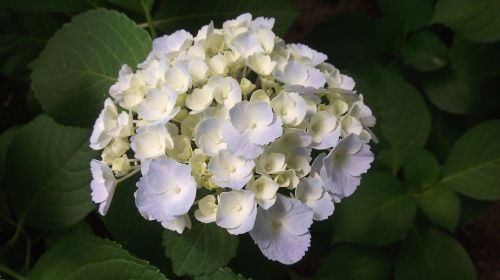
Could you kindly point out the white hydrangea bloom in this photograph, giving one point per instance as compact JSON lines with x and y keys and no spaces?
{"x":245,"y":45}
{"x":335,"y":79}
{"x":351,"y":125}
{"x":236,"y":211}
{"x":168,"y":46}
{"x":306,"y":55}
{"x":271,"y":163}
{"x":125,"y":76}
{"x":234,"y":27}
{"x":110,"y":124}
{"x":299,"y":77}
{"x":260,"y":23}
{"x":115,"y":149}
{"x":154,"y":72}
{"x":159,"y":105}
{"x":218,"y":65}
{"x":230,"y":171}
{"x":241,"y":119}
{"x":362,"y":113}
{"x":287,"y":179}
{"x":226,"y":90}
{"x":136,"y":92}
{"x":261,"y":64}
{"x":208,"y":136}
{"x":282,"y":231}
{"x":343,"y":166}
{"x":198,"y":69}
{"x":200,"y":99}
{"x":177,"y":223}
{"x":165,"y":190}
{"x":290,"y":107}
{"x":253,"y":124}
{"x":178,"y":79}
{"x":267,"y":39}
{"x":207,"y":210}
{"x":324,"y":130}
{"x":265,"y":190}
{"x":310,"y":191}
{"x":151,"y":141}
{"x":103,"y":185}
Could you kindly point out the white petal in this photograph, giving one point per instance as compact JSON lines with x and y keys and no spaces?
{"x":177,"y":223}
{"x":265,"y":134}
{"x":238,"y":144}
{"x":166,"y":190}
{"x":282,"y":231}
{"x":103,"y":185}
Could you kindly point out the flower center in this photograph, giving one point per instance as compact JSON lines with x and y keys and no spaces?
{"x":253,"y":125}
{"x":177,"y":189}
{"x":238,"y":207}
{"x":232,"y":169}
{"x":276,"y":223}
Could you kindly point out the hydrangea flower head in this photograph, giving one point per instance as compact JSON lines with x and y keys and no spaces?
{"x":235,"y":127}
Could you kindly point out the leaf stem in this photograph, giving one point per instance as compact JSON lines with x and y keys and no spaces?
{"x":137,"y":168}
{"x":147,"y":13}
{"x":19,"y":228}
{"x":11,"y":273}
{"x":28,"y":255}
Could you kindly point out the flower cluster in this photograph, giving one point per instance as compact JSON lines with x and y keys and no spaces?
{"x":237,"y":128}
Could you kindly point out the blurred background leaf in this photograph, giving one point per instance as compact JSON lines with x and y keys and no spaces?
{"x":354,"y":262}
{"x":380,"y":212}
{"x":191,"y":15}
{"x":476,"y":20}
{"x":440,"y":254}
{"x":474,"y":161}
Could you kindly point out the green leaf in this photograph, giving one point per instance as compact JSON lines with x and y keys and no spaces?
{"x":378,"y":213}
{"x":192,"y":15}
{"x":431,"y":254}
{"x":471,"y":79}
{"x":23,"y":36}
{"x":401,"y":112}
{"x":52,"y":237}
{"x":90,"y":257}
{"x":441,"y":205}
{"x":133,"y":5}
{"x":125,"y":224}
{"x":446,"y":129}
{"x":474,"y":161}
{"x":81,"y":61}
{"x":5,"y":141}
{"x":222,"y":274}
{"x":407,"y":15}
{"x":353,"y":262}
{"x":421,"y":169}
{"x":48,"y":174}
{"x":200,"y":250}
{"x":424,"y":51}
{"x":476,"y":20}
{"x":48,"y":6}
